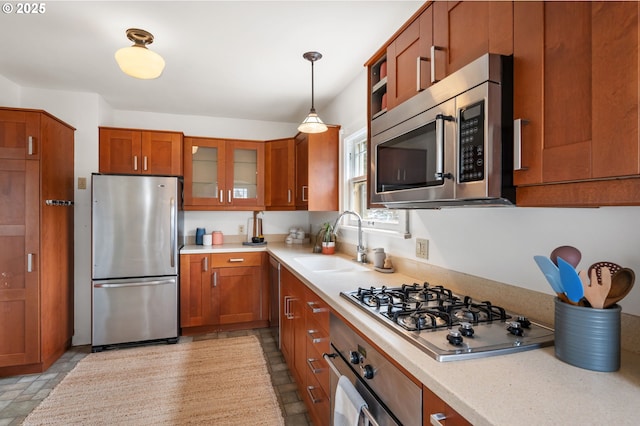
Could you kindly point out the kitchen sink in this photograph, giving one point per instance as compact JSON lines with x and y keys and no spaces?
{"x":323,"y":263}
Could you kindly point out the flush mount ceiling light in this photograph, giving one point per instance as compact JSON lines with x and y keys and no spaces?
{"x":312,"y":124}
{"x":138,"y":61}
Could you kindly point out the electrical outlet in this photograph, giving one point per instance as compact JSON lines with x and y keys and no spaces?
{"x":241,"y":229}
{"x":422,"y":248}
{"x":82,"y":183}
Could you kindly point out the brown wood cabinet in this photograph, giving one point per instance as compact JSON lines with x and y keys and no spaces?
{"x":438,"y":40}
{"x":304,"y":332}
{"x":576,"y":79}
{"x":223,"y":291}
{"x":317,"y":170}
{"x":223,"y":174}
{"x":131,"y":151}
{"x":36,"y":240}
{"x":280,"y":174}
{"x":432,"y":405}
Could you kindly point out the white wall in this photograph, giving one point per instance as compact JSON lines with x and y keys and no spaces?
{"x":499,"y":243}
{"x":9,"y":92}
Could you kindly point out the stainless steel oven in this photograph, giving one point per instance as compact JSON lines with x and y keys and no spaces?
{"x":392,"y":398}
{"x":449,"y":145}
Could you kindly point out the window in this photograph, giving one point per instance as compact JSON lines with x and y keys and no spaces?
{"x":356,"y":194}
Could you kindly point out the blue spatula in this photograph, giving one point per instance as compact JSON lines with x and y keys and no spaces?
{"x":570,"y":281}
{"x":550,"y":271}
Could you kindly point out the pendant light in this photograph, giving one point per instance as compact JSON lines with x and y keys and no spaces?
{"x":313,"y":123}
{"x":138,"y":61}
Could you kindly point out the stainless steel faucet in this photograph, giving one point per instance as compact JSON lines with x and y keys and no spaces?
{"x":361,"y":255}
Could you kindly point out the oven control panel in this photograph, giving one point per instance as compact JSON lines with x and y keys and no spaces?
{"x":471,"y":143}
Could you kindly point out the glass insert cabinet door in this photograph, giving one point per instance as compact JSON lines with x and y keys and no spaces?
{"x":204,"y":171}
{"x":245,"y":173}
{"x":223,"y":173}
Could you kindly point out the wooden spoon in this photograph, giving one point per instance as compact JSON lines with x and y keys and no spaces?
{"x":621,"y":284}
{"x":595,"y":292}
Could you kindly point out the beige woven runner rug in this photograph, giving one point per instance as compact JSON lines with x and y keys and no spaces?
{"x":210,"y":382}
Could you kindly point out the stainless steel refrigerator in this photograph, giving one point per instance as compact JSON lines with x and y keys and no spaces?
{"x":136,"y":236}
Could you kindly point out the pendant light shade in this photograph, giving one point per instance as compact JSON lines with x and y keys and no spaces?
{"x":138,"y":61}
{"x":312,"y":123}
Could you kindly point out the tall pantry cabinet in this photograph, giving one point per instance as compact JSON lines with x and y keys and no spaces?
{"x":36,"y":240}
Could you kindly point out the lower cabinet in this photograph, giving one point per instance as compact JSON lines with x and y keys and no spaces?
{"x":436,"y":410}
{"x":304,"y":331}
{"x":223,"y":291}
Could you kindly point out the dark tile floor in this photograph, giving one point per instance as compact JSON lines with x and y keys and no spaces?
{"x":19,"y":395}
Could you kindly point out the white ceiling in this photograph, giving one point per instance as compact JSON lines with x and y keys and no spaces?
{"x":236,"y":59}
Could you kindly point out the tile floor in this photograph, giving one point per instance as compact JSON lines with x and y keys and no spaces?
{"x":21,"y":394}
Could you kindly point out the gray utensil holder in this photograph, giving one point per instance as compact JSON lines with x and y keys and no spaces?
{"x":586,"y":337}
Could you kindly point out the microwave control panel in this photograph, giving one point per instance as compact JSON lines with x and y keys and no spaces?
{"x":471,"y":143}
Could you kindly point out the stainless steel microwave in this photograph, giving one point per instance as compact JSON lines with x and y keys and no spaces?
{"x":451,"y":144}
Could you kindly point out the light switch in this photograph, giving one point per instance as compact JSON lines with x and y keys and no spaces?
{"x":82,"y":183}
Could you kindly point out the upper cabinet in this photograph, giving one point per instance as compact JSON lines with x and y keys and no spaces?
{"x":280,"y":174}
{"x":576,"y":80}
{"x":439,"y":39}
{"x":223,"y":174}
{"x":317,"y":169}
{"x":130,"y":151}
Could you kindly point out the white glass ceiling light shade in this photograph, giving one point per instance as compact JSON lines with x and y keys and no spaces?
{"x":313,"y":123}
{"x":138,"y":61}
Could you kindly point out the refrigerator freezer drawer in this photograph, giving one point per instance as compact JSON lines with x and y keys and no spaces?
{"x":134,"y":310}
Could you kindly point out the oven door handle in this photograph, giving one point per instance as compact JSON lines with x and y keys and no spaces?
{"x":367,"y":414}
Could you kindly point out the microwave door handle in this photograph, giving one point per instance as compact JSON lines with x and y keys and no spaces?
{"x":440,"y":119}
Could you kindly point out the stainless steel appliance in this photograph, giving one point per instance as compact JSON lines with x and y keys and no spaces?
{"x":392,"y":398}
{"x":136,"y":235}
{"x":449,"y":327}
{"x":274,"y":281}
{"x":450,"y":145}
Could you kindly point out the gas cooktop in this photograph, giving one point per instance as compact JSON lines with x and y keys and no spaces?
{"x":449,"y":327}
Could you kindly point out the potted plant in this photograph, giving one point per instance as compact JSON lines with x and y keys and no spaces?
{"x":328,"y":239}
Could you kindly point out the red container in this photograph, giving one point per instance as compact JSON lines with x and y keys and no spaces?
{"x":383,"y":70}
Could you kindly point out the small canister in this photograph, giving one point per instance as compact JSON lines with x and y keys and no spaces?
{"x":199,"y":234}
{"x":217,"y":238}
{"x":378,"y":257}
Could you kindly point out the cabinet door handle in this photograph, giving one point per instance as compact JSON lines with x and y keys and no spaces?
{"x":236,"y":260}
{"x":30,"y":262}
{"x":419,"y":61}
{"x":135,"y":162}
{"x":221,"y":196}
{"x":229,"y":196}
{"x":436,"y":418}
{"x":215,"y":279}
{"x":144,"y":163}
{"x":314,"y":309}
{"x":517,"y":143}
{"x":314,"y":339}
{"x":304,"y":193}
{"x":433,"y":63}
{"x":30,"y":146}
{"x":288,"y":196}
{"x":205,"y":264}
{"x":314,"y":370}
{"x":398,"y":177}
{"x":310,"y":390}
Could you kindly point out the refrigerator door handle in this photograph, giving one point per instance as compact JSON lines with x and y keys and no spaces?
{"x":136,"y":284}
{"x":172,"y":250}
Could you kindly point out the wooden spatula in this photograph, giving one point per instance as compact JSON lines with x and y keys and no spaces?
{"x":596,"y":292}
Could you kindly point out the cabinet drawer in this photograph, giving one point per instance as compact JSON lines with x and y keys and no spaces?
{"x":232,"y":260}
{"x":318,"y":310}
{"x":317,"y":336}
{"x":318,"y":401}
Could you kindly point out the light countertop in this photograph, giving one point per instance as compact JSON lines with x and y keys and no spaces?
{"x":525,"y":388}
